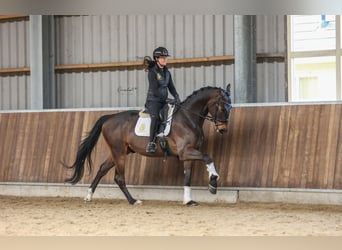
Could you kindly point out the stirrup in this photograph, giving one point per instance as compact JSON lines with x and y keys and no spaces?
{"x":151,"y":147}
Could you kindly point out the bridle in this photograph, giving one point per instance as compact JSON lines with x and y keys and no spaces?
{"x":213,"y":118}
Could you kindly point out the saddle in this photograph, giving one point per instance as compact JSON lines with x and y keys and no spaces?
{"x":142,"y":127}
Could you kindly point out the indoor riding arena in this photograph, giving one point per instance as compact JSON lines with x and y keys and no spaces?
{"x":279,"y":163}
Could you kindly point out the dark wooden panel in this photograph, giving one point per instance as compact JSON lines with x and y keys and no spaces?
{"x":292,"y":146}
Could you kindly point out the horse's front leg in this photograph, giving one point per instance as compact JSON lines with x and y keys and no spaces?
{"x":187,"y":184}
{"x":193,"y":154}
{"x":213,"y":175}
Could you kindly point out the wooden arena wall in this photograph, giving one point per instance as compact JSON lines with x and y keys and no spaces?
{"x":285,"y":146}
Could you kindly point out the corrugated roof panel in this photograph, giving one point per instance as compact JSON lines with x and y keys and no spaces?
{"x":122,"y":38}
{"x":14,"y":53}
{"x":271,"y":85}
{"x":129,"y":38}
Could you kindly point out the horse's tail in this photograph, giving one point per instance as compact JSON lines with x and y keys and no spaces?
{"x":84,"y":151}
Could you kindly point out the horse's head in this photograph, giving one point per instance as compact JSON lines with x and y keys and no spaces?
{"x":220,"y":110}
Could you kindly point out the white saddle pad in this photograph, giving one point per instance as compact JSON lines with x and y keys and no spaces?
{"x":142,"y":128}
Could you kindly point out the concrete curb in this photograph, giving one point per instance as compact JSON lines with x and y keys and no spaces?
{"x":175,"y":193}
{"x":297,"y":197}
{"x":169,"y":193}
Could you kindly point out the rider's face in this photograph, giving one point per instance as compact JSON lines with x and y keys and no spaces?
{"x":162,"y":61}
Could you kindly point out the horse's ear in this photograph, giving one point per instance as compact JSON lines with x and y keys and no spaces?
{"x":228,"y":88}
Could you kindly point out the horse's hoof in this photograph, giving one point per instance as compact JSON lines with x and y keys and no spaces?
{"x":191,"y":203}
{"x":89,"y":196}
{"x":212,"y":189}
{"x":86,"y":200}
{"x":137,"y":202}
{"x":213,"y":184}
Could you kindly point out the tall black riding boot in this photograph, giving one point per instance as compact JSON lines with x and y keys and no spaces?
{"x":151,"y":146}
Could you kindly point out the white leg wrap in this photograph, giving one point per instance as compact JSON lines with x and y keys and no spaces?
{"x":212,"y":170}
{"x":89,"y":195}
{"x":187,"y":194}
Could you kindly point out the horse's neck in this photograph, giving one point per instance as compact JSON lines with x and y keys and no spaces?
{"x":199,"y":104}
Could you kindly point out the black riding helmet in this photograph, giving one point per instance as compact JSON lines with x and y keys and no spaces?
{"x":160,"y":51}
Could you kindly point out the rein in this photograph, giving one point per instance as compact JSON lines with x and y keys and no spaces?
{"x":211,"y":118}
{"x":206,"y":117}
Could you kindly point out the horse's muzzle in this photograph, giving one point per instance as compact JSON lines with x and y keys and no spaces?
{"x":221,"y":128}
{"x":222,"y":131}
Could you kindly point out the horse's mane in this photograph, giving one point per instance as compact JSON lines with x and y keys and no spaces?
{"x":201,"y":90}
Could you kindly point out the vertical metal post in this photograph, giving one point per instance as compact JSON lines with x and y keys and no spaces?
{"x":245,"y":88}
{"x":42,"y":83}
{"x":49,"y":89}
{"x":36,"y":62}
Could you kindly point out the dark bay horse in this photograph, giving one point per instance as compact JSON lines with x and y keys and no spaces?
{"x":185,"y":140}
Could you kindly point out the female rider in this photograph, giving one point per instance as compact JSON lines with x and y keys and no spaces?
{"x":160,"y":81}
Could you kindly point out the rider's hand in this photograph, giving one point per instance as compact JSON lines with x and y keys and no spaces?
{"x":177,"y":100}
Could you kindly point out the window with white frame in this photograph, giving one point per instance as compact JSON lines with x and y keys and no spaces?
{"x":314,"y":57}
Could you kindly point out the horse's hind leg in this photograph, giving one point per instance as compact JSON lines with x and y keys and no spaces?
{"x":120,"y":180}
{"x":104,"y":168}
